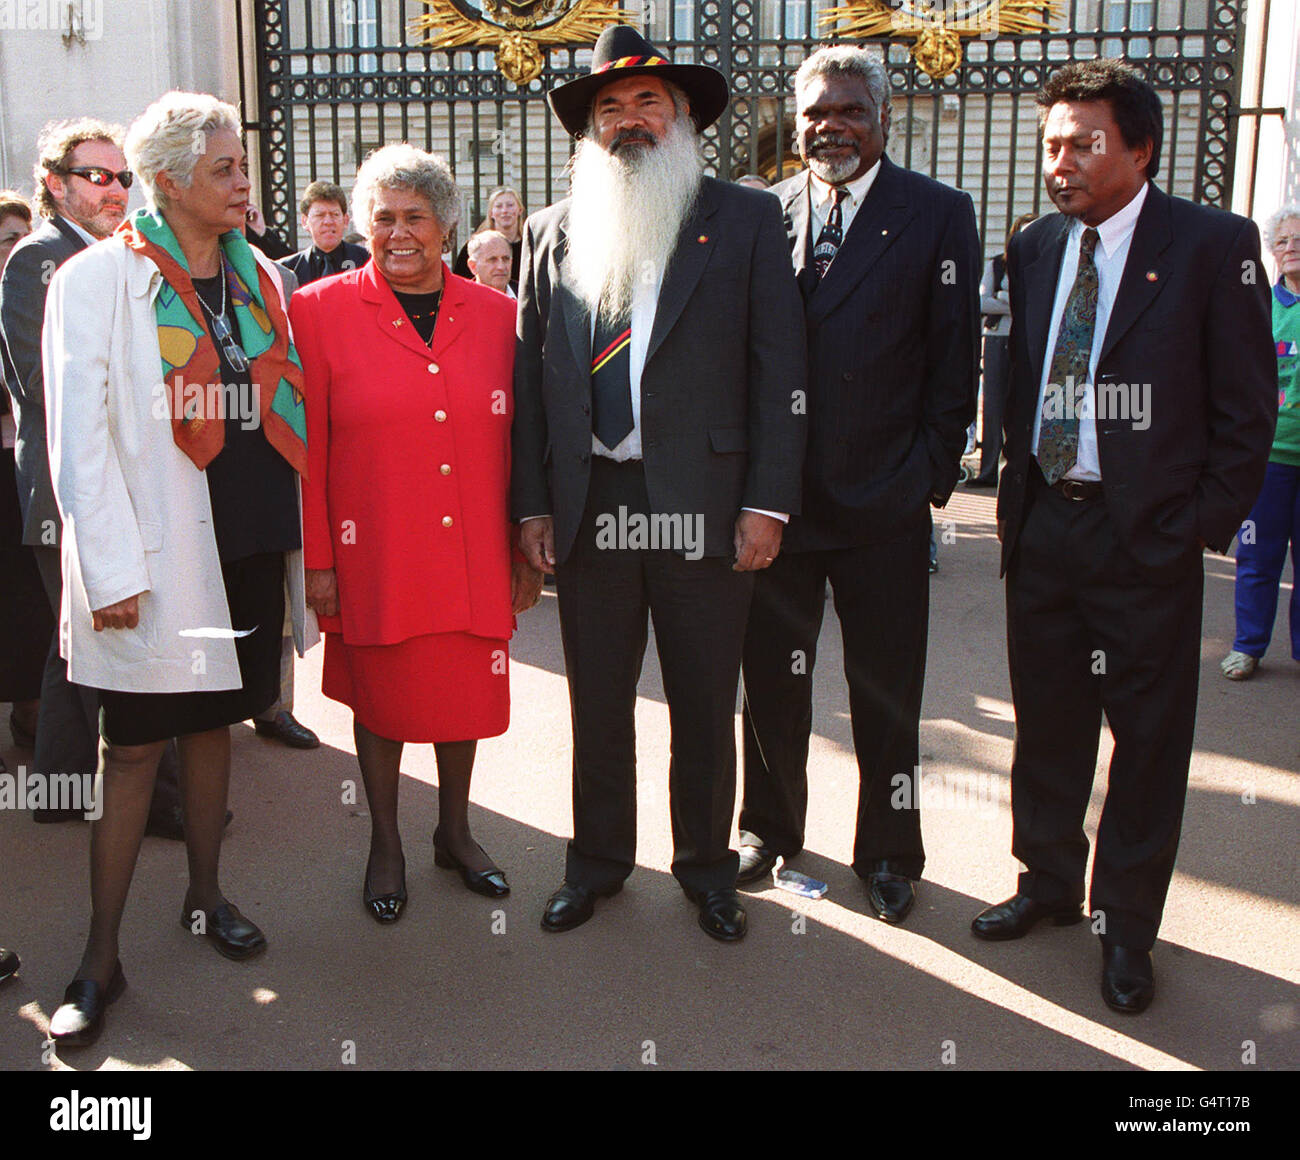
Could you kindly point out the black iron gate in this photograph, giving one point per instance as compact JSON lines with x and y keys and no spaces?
{"x":336,"y":78}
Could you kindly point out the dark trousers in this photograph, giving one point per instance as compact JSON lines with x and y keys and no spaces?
{"x":996,"y":387}
{"x":1087,"y":634}
{"x":1261,"y":556}
{"x":882,"y":597}
{"x":699,"y":609}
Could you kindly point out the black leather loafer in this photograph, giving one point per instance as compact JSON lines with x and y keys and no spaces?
{"x":9,"y":963}
{"x":80,"y":1018}
{"x":721,"y":914}
{"x":1127,"y":981}
{"x":1018,"y":915}
{"x":489,"y":883}
{"x":228,"y":931}
{"x":284,"y":727}
{"x":890,"y":895}
{"x":756,"y":863}
{"x":572,"y":905}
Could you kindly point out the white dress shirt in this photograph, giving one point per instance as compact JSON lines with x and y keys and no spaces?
{"x":822,"y":200}
{"x":1115,"y":235}
{"x":89,"y":239}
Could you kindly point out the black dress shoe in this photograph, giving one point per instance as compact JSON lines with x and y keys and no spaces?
{"x":80,"y":1018}
{"x":230,"y":932}
{"x":489,"y":883}
{"x":890,"y":895}
{"x":1127,"y":981}
{"x":1018,"y":915}
{"x":23,"y":738}
{"x":169,"y":822}
{"x":756,"y":862}
{"x":572,"y":905}
{"x":283,"y":727}
{"x":721,"y":914}
{"x":384,"y":908}
{"x":9,"y":963}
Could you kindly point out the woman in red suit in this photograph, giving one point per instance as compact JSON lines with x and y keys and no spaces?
{"x":410,"y":565}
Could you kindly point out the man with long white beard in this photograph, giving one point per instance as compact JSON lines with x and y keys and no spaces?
{"x":658,"y":442}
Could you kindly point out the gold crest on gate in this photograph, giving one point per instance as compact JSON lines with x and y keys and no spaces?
{"x":520,"y":31}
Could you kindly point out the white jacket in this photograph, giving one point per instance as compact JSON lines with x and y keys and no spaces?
{"x":136,"y":513}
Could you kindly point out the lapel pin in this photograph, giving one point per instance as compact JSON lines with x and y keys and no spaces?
{"x":397,"y":322}
{"x":1151,"y":275}
{"x":702,"y":238}
{"x":883,"y":233}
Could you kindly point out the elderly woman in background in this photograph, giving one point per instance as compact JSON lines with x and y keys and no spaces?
{"x":505,"y":215}
{"x":27,"y":625}
{"x":1274,"y":523}
{"x":407,"y":538}
{"x":177,"y":435}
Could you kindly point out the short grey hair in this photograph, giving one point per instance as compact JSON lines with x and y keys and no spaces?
{"x":1275,"y":220}
{"x":165,"y":138}
{"x":846,"y":60}
{"x":406,"y":167}
{"x":479,"y":240}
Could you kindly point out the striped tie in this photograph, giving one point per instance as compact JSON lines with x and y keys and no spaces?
{"x":1058,"y":435}
{"x":828,"y":241}
{"x":611,"y":385}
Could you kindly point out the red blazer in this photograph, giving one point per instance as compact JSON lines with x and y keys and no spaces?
{"x":408,"y":456}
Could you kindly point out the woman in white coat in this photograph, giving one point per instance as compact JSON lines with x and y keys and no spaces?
{"x":177,"y":435}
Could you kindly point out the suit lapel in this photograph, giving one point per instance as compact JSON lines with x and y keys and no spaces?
{"x":694,"y":246}
{"x":577,"y":317}
{"x":451,"y":313}
{"x":389,"y":315}
{"x":75,"y":239}
{"x":798,"y":213}
{"x":1040,"y":292}
{"x":1145,"y":271}
{"x":876,"y":226}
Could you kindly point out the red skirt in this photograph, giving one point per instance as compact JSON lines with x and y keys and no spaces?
{"x":441,"y":687}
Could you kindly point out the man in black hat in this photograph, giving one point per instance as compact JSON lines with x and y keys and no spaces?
{"x":658,"y":441}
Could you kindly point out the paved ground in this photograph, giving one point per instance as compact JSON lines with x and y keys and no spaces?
{"x":461,"y":982}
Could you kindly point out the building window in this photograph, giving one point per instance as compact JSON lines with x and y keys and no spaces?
{"x":359,"y":28}
{"x":1127,"y":16}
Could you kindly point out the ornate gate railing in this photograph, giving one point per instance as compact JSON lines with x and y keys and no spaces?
{"x":336,"y":78}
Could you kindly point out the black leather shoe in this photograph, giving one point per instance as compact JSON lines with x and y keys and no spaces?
{"x":572,"y":905}
{"x":230,"y":932}
{"x":721,"y":914}
{"x":283,"y":727}
{"x":1018,"y":915}
{"x":80,"y":1018}
{"x":169,"y":823}
{"x":9,"y":963}
{"x":1127,"y":981}
{"x":756,"y":863}
{"x":489,"y":883}
{"x":384,"y":908}
{"x":890,"y":895}
{"x":23,"y":738}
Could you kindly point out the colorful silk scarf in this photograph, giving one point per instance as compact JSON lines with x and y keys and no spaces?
{"x":191,"y":369}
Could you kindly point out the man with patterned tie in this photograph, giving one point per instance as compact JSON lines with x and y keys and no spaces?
{"x":658,"y":439}
{"x":1143,"y":396}
{"x":888,"y":261}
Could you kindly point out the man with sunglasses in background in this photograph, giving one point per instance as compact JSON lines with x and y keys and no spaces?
{"x":82,"y":185}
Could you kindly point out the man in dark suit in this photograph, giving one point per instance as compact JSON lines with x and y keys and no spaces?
{"x":658,"y":437}
{"x":81,"y":192}
{"x":1143,"y":399}
{"x":888,"y":262}
{"x":324,"y":215}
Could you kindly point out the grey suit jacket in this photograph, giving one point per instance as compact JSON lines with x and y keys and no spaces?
{"x":23,"y":288}
{"x":722,"y":420}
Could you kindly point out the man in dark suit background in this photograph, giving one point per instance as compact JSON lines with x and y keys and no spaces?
{"x":323,"y":213}
{"x":81,"y":192}
{"x":1143,"y":399}
{"x":657,"y":379}
{"x":888,"y":262}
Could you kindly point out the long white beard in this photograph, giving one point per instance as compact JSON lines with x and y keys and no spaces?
{"x":627,"y":213}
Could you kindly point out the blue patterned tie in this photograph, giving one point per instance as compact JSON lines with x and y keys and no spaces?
{"x":1058,"y":435}
{"x":832,"y":235}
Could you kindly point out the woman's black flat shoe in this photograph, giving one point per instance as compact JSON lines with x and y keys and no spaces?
{"x":80,"y":1019}
{"x":384,"y":908}
{"x":489,"y":883}
{"x":234,"y":936}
